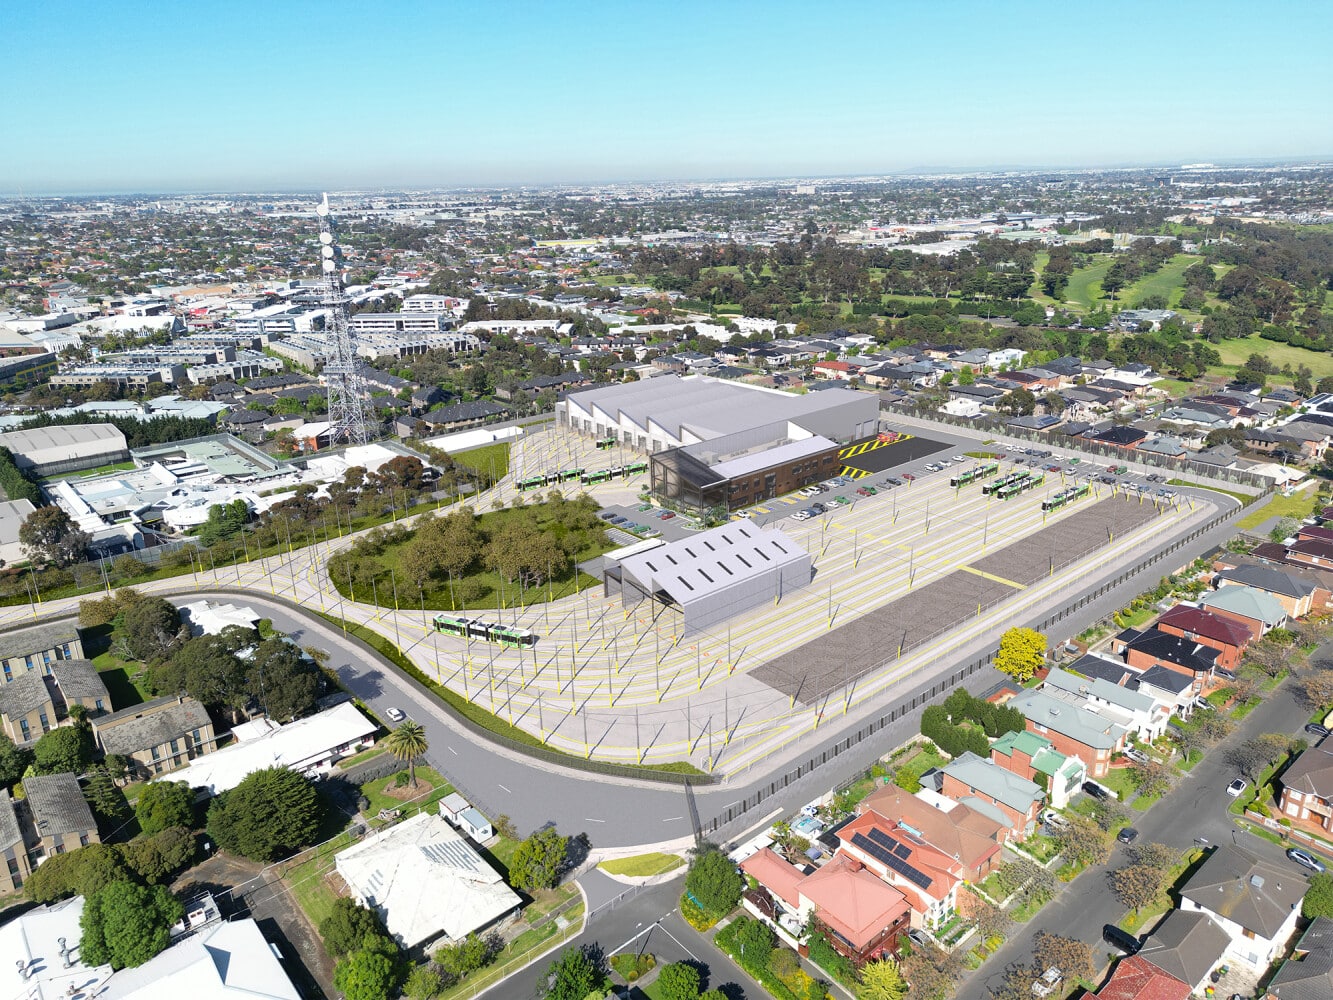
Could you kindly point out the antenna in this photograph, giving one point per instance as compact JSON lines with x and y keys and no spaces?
{"x":347,"y":415}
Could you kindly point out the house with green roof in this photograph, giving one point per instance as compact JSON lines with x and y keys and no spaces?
{"x":1034,"y":757}
{"x":1074,"y":731}
{"x":1257,"y":610}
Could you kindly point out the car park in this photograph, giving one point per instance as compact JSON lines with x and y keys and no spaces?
{"x":1305,"y":859}
{"x":395,"y":714}
{"x":1315,"y":729}
{"x":1120,"y":938}
{"x":1127,"y":835}
{"x":1236,"y":788}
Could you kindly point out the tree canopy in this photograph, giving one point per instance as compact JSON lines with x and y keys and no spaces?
{"x":714,"y":882}
{"x":345,"y":928}
{"x":1022,"y":651}
{"x":64,"y":749}
{"x":270,"y":814}
{"x":162,"y":804}
{"x":539,"y":860}
{"x":48,"y":535}
{"x":126,"y":924}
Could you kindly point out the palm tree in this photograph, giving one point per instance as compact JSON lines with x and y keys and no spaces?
{"x":407,"y":743}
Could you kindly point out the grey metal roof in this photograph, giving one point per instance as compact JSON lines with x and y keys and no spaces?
{"x":26,"y":693}
{"x":1235,"y":884}
{"x":131,"y":730}
{"x":57,"y":805}
{"x":1078,"y":724}
{"x":1013,"y":790}
{"x":23,"y":641}
{"x":1187,"y":945}
{"x":1308,"y":974}
{"x":79,"y":679}
{"x":10,"y":834}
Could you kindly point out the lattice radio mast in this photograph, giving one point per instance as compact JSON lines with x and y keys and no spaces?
{"x":347,"y":414}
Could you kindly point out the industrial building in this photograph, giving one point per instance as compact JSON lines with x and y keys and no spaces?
{"x":724,"y":444}
{"x":712,"y":576}
{"x":48,"y":451}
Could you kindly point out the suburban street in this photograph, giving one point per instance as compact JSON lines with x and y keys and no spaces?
{"x":1195,"y":807}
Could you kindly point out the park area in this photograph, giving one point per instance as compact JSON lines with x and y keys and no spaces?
{"x":508,"y":557}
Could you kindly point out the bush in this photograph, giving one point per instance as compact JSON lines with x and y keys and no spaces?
{"x":694,"y":914}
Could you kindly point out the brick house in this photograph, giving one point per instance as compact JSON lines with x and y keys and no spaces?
{"x":840,"y":371}
{"x":1307,"y":787}
{"x":927,"y":878}
{"x":1073,"y":731}
{"x":1034,"y":757}
{"x":1137,"y":979}
{"x":1155,"y":648}
{"x":968,"y":778}
{"x":1255,"y":609}
{"x":1227,"y":636}
{"x":968,"y":835}
{"x":1295,"y":593}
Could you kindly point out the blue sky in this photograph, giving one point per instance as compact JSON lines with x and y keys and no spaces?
{"x":205,"y":95}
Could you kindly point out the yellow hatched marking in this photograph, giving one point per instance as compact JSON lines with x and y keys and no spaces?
{"x":993,"y":577}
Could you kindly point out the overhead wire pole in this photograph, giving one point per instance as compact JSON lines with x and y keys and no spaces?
{"x":347,"y":415}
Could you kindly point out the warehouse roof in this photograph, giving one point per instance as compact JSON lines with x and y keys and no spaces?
{"x":47,"y":445}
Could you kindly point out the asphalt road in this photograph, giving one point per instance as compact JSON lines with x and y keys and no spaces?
{"x":1195,"y":807}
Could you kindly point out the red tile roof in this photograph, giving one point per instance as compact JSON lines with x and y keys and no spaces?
{"x":1206,"y":625}
{"x":1136,"y":979}
{"x":852,"y":900}
{"x":776,"y":875}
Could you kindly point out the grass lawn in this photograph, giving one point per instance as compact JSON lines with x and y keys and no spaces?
{"x":433,"y":788}
{"x":362,"y":757}
{"x":1168,"y":281}
{"x":643,"y":864}
{"x":483,"y":588}
{"x":1144,"y":802}
{"x":309,"y":880}
{"x":492,"y":458}
{"x":908,"y":772}
{"x":1085,"y":285}
{"x":1242,"y":497}
{"x":1133,"y":619}
{"x":1236,"y":351}
{"x":1121,"y":781}
{"x":119,"y":676}
{"x":1298,"y":505}
{"x":85,"y":473}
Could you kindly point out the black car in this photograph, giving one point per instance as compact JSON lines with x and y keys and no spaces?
{"x":1128,"y":835}
{"x":819,"y":508}
{"x":1121,"y":939}
{"x":894,"y":480}
{"x":1095,"y":790}
{"x":1315,"y":729}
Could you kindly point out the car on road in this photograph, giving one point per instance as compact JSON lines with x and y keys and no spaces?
{"x":1137,"y":756}
{"x":1128,"y":835}
{"x":1315,"y":729}
{"x":1119,"y":938}
{"x":1236,"y":788}
{"x":1305,"y":859}
{"x":1096,"y":790}
{"x":395,"y":714}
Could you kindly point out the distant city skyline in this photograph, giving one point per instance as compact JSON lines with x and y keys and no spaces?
{"x":297,"y":95}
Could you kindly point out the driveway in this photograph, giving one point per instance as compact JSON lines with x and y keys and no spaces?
{"x":243,"y":888}
{"x":1195,"y":807}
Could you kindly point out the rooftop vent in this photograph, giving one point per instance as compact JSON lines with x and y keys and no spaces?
{"x":1257,"y":881}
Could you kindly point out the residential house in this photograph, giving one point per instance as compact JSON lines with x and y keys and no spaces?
{"x":1170,"y":447}
{"x":158,"y":735}
{"x":1257,"y":610}
{"x":425,"y":881}
{"x":1034,"y":757}
{"x":928,"y":878}
{"x":13,"y":846}
{"x":863,"y":916}
{"x":1227,"y":636}
{"x":968,"y":835}
{"x":1172,"y":688}
{"x":1137,"y":979}
{"x":1073,"y":730}
{"x":968,"y":777}
{"x":1256,"y":903}
{"x":59,"y":815}
{"x":1187,"y":945}
{"x":1126,"y":437}
{"x":1294,"y":593}
{"x":35,"y":702}
{"x":28,"y":648}
{"x":1154,"y":647}
{"x":1308,"y":973}
{"x":839,"y":371}
{"x":1138,"y":713}
{"x":1307,"y":787}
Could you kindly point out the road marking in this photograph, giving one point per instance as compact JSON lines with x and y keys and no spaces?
{"x":505,"y":789}
{"x":672,"y":819}
{"x":993,"y":577}
{"x":589,"y":819}
{"x":451,"y":750}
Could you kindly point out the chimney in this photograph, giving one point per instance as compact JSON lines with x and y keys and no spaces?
{"x":65,"y":953}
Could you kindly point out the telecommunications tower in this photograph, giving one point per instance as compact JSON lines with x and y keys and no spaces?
{"x":347,"y":414}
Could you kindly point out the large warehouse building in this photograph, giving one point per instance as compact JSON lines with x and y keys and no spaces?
{"x":712,"y":576}
{"x":49,"y":451}
{"x":724,"y":444}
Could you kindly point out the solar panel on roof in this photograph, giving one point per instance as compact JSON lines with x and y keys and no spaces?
{"x":886,"y":857}
{"x":902,"y":850}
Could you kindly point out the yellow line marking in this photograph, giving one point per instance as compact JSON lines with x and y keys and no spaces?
{"x":991,"y":576}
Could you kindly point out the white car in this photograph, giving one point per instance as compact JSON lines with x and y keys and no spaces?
{"x":959,"y":458}
{"x":395,"y":714}
{"x":745,"y":513}
{"x":1137,"y":756}
{"x":1236,"y":787}
{"x":801,"y":515}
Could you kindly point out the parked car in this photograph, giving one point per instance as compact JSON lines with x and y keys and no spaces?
{"x":1137,"y":756}
{"x":894,"y":480}
{"x":1053,"y":819}
{"x":747,"y":514}
{"x":801,"y":515}
{"x":918,"y":937}
{"x":1315,"y":729}
{"x":819,"y":508}
{"x":1096,"y":790}
{"x":395,"y":714}
{"x":960,"y":458}
{"x":1120,"y":938}
{"x":841,"y":499}
{"x":1305,"y":859}
{"x":1128,"y":835}
{"x":605,"y":515}
{"x":909,"y":477}
{"x":1236,"y":788}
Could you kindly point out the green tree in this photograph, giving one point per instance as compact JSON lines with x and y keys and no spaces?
{"x":66,"y":749}
{"x":162,"y":804}
{"x":148,"y":628}
{"x":573,"y":975}
{"x":102,"y":794}
{"x":14,"y":762}
{"x":271,"y":813}
{"x":283,"y":681}
{"x":881,"y":981}
{"x":345,"y":928}
{"x":538,"y":861}
{"x":465,"y":957}
{"x":126,"y":924}
{"x":370,"y":972}
{"x":408,"y":742}
{"x":1136,"y":885}
{"x":423,"y":983}
{"x":48,"y":535}
{"x":157,"y":858}
{"x":81,"y":872}
{"x":1022,"y":652}
{"x":1318,"y":900}
{"x":714,"y":882}
{"x":678,"y":981}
